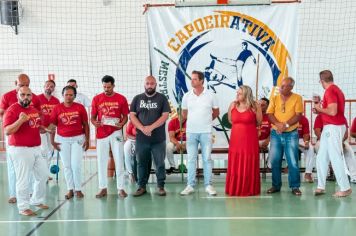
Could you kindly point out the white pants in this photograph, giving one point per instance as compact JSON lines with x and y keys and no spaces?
{"x":28,"y":161}
{"x":11,"y":176}
{"x":72,"y":154}
{"x":115,"y":140}
{"x":46,"y":148}
{"x":268,"y":163}
{"x":308,"y":156}
{"x":331,"y":150}
{"x":170,"y":149}
{"x":349,"y":157}
{"x":129,"y":152}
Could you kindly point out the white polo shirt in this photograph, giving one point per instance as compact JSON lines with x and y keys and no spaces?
{"x":199,"y":108}
{"x":82,"y":99}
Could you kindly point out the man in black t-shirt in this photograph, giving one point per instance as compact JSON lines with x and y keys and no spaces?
{"x":148,"y":113}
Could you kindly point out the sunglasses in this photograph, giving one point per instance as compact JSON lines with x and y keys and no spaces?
{"x":283,"y":107}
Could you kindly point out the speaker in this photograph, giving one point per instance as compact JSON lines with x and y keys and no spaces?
{"x":9,"y":12}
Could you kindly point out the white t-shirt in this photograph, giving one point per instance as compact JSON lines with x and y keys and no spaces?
{"x":82,"y":99}
{"x":200,"y":110}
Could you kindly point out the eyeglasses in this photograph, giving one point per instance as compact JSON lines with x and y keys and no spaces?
{"x":283,"y":107}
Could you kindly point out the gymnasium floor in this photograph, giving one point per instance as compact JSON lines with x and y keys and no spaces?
{"x":278,"y":214}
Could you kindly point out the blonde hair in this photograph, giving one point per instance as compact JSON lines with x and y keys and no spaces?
{"x":247,"y":94}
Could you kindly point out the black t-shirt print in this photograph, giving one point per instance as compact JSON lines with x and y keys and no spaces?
{"x":148,"y":110}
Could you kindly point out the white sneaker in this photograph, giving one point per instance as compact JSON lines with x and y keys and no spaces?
{"x":188,"y":190}
{"x":353,"y":180}
{"x":210,"y":190}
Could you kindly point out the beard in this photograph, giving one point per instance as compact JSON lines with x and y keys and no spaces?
{"x":150,"y":91}
{"x":25,"y":103}
{"x":48,"y":92}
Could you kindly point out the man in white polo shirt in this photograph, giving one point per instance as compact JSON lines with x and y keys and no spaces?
{"x":80,"y":97}
{"x":200,"y":108}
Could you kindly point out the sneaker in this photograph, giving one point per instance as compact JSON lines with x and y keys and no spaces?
{"x":210,"y":190}
{"x":353,"y":180}
{"x":188,"y":190}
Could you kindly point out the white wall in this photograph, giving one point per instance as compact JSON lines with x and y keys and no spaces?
{"x":85,"y":40}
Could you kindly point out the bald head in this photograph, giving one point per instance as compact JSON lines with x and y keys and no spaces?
{"x":286,"y":87}
{"x":24,"y":96}
{"x":22,"y":81}
{"x":150,"y":85}
{"x":290,"y":81}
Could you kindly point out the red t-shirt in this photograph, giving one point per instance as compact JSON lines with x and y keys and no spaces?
{"x":28,"y":135}
{"x":265,"y":128}
{"x":130,"y":129}
{"x":353,"y":127}
{"x":10,"y":98}
{"x":47,"y":107}
{"x":69,"y":120}
{"x":303,"y":127}
{"x":318,"y":123}
{"x":174,"y":126}
{"x":333,"y":94}
{"x":114,"y":106}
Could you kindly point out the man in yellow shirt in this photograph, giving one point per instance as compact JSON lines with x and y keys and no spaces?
{"x":284,"y":112}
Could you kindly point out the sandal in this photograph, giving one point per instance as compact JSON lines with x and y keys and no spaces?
{"x":69,"y":195}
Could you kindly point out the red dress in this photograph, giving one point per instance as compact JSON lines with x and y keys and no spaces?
{"x":243,"y":170}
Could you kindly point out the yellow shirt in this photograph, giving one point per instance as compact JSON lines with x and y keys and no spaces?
{"x":283,"y":113}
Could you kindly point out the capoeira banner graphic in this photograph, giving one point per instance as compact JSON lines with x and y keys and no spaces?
{"x":232,"y":46}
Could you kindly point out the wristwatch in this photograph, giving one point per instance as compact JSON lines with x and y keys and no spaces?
{"x":287,"y":125}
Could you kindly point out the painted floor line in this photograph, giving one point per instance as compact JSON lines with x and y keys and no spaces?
{"x":45,"y":219}
{"x":227,"y":197}
{"x":190,"y":218}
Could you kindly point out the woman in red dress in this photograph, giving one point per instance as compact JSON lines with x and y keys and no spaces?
{"x":243,"y":170}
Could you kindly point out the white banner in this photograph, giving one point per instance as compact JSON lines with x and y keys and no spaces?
{"x":228,"y":44}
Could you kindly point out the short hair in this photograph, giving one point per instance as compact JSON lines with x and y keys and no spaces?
{"x":326,"y":76}
{"x":68,"y":87}
{"x":292,"y":81}
{"x":266,"y":100}
{"x":199,"y":73}
{"x":71,"y":81}
{"x":51,"y":81}
{"x":108,"y":79}
{"x":244,"y":43}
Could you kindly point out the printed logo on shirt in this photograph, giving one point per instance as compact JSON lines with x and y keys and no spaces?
{"x":34,"y":121}
{"x":69,"y":118}
{"x":46,"y":109}
{"x":149,"y":105}
{"x":108,"y":108}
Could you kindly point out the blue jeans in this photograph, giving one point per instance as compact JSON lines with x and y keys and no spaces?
{"x":144,"y":154}
{"x":286,"y":143}
{"x":193,"y":140}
